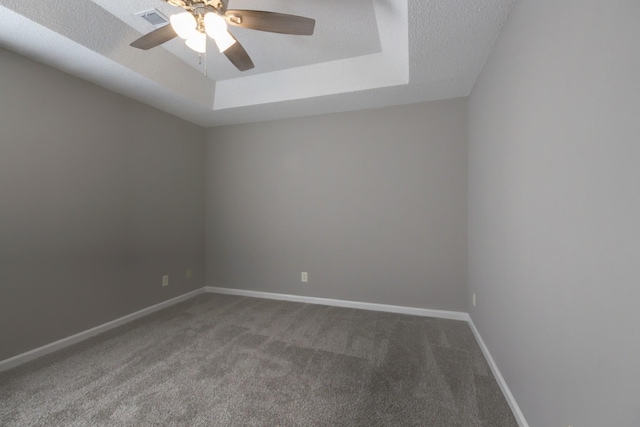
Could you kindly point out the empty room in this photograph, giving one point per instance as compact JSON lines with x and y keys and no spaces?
{"x":320,"y":213}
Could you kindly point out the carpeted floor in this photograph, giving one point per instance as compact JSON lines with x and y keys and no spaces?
{"x":219,"y":360}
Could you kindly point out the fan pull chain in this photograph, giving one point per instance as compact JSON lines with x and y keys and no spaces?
{"x":205,"y":61}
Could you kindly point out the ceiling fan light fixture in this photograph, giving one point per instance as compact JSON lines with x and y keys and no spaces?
{"x":202,"y":18}
{"x":184,"y":24}
{"x":214,"y":25}
{"x":198,"y":42}
{"x":216,"y":28}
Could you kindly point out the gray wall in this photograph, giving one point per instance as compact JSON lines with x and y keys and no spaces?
{"x":372,"y":204}
{"x":99,"y":197}
{"x":554,"y":210}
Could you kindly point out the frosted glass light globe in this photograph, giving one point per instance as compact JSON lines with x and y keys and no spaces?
{"x":216,"y":28}
{"x":184,"y":24}
{"x":214,"y":24}
{"x":224,"y":41}
{"x":198,"y":42}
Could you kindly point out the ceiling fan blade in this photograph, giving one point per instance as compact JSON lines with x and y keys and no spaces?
{"x":239,"y":57}
{"x":155,"y":38}
{"x":271,"y":21}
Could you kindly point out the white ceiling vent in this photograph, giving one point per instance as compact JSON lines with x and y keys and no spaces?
{"x":154,"y":17}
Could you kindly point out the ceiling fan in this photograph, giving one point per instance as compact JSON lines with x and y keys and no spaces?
{"x":211,"y":17}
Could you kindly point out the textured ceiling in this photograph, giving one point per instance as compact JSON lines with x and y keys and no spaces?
{"x":363,"y":54}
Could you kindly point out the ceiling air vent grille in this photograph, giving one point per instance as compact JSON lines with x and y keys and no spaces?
{"x":154,"y":17}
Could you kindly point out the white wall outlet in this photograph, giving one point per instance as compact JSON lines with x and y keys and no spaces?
{"x":189,"y":274}
{"x":474,"y":299}
{"x":165,"y":280}
{"x":304,"y":276}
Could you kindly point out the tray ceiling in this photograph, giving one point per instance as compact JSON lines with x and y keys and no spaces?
{"x":363,"y":54}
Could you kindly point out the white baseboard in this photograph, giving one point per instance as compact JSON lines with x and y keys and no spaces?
{"x":81,"y":336}
{"x":517,"y":413}
{"x":454,"y":315}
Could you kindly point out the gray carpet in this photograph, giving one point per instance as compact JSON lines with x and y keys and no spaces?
{"x":219,"y":360}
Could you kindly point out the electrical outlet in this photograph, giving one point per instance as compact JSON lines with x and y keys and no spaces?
{"x":165,"y":280}
{"x":474,"y":299}
{"x":305,"y":277}
{"x":189,"y":274}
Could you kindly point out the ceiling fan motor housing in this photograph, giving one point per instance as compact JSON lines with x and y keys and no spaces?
{"x":192,"y":5}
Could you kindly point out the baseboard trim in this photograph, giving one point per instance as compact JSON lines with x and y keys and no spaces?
{"x":453,"y":315}
{"x":81,"y":336}
{"x":517,"y":413}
